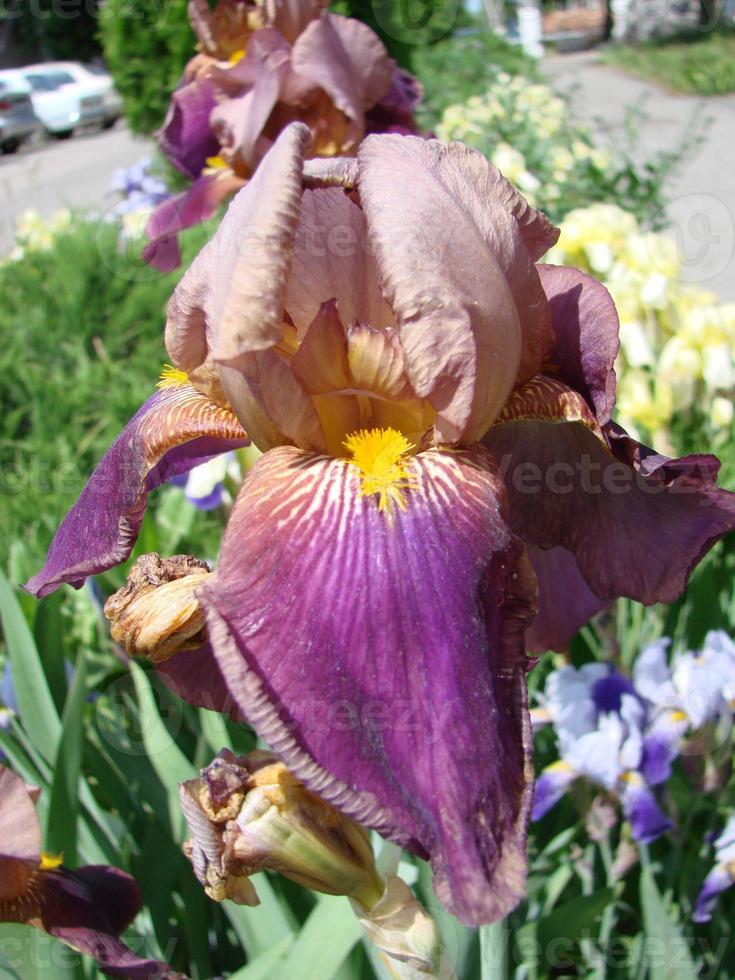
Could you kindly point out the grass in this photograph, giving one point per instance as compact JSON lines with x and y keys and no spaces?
{"x":691,"y":63}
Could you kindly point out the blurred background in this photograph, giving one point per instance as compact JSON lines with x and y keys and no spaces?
{"x":618,"y":120}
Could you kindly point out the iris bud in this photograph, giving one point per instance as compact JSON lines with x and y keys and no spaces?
{"x":156,"y":613}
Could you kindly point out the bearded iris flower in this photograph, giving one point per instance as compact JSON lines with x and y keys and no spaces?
{"x":601,"y":724}
{"x":87,"y":909}
{"x":430,"y":404}
{"x":261,"y":66}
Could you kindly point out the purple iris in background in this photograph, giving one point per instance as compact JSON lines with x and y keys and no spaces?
{"x":600,"y":724}
{"x":205,"y":485}
{"x":433,"y":409}
{"x":138,"y":189}
{"x":260,"y":67}
{"x":87,"y":908}
{"x":722,"y":875}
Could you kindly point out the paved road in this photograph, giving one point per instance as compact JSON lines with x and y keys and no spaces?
{"x":701,"y":194}
{"x":74,"y":173}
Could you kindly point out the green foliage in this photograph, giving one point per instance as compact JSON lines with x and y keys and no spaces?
{"x":455,"y":68}
{"x":82,"y":327}
{"x":146,"y":45}
{"x":698,"y":63}
{"x":56,"y":30}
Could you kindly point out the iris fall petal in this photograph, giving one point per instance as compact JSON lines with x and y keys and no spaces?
{"x":402,"y":698}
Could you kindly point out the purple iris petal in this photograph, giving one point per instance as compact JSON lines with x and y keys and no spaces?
{"x":566,"y":602}
{"x":717,"y":881}
{"x":642,"y":812}
{"x":88,"y":909}
{"x":658,"y":757}
{"x":194,"y":205}
{"x":186,"y":137}
{"x":636,"y":525}
{"x":607,"y":693}
{"x":586,"y":328}
{"x":402,"y":697}
{"x":210,"y":501}
{"x":551,"y":785}
{"x":102,"y":526}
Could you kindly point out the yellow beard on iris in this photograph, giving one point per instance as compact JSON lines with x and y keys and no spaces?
{"x":380,"y":456}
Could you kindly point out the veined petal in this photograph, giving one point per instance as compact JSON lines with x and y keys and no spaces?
{"x":230,"y":301}
{"x":175,"y":430}
{"x":586,"y":330}
{"x":636,"y":522}
{"x":381,"y":655}
{"x":458,"y":320}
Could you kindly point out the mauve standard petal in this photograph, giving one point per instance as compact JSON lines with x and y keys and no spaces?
{"x":186,"y":137}
{"x":401,"y":699}
{"x":88,"y":909}
{"x":196,"y":204}
{"x":458,"y":320}
{"x":394,"y":112}
{"x":349,"y":62}
{"x":175,"y":430}
{"x":332,"y":259}
{"x":231,"y":299}
{"x":637,"y":524}
{"x":291,"y":17}
{"x":239,"y":122}
{"x":565,"y":601}
{"x":586,"y":328}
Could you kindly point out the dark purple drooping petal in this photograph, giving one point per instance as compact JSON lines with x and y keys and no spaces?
{"x":88,"y":909}
{"x":186,"y":137}
{"x":195,"y":676}
{"x":175,"y":430}
{"x":586,"y":326}
{"x":382,"y":656}
{"x":565,"y":601}
{"x":637,"y":523}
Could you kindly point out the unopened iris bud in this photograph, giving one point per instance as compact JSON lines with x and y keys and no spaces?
{"x":156,"y":613}
{"x":251,"y":813}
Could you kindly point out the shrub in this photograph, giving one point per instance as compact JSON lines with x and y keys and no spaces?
{"x":146,"y":45}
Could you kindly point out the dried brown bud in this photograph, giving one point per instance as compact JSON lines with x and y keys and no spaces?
{"x":156,"y":613}
{"x":251,"y":813}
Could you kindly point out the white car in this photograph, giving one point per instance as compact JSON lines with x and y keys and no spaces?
{"x":94,"y":80}
{"x":59,"y":102}
{"x":18,"y":121}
